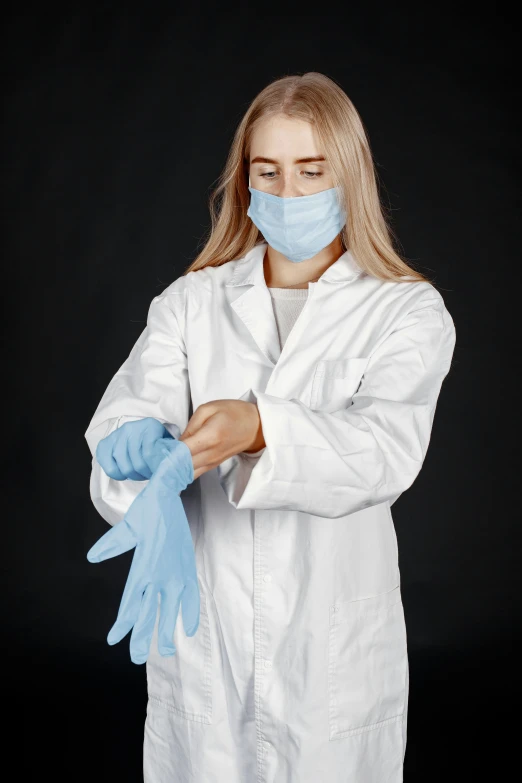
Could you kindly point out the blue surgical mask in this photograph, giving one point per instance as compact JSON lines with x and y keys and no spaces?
{"x":298,"y":227}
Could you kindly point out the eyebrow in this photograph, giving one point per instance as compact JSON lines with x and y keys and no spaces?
{"x":311,"y":159}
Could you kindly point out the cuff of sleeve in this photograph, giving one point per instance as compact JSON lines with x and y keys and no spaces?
{"x":247,"y":479}
{"x":250,"y":396}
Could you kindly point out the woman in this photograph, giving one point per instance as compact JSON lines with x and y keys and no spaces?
{"x":300,"y":360}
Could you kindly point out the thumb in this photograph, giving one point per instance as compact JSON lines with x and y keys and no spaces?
{"x":115,"y":542}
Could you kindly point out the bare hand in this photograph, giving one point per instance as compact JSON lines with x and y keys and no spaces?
{"x":220,"y":429}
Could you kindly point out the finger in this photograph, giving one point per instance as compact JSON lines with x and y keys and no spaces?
{"x":177,"y":467}
{"x":135,"y":452}
{"x":106,"y":460}
{"x":151,"y":455}
{"x":207,"y":442}
{"x":199,"y":433}
{"x":130,"y":601}
{"x":123,"y":460}
{"x":190,"y":607}
{"x":190,"y":598}
{"x":203,"y":457}
{"x":203,"y":445}
{"x":199,"y":472}
{"x":119,"y":630}
{"x":116,"y":541}
{"x":144,"y":628}
{"x":170,"y":603}
{"x":199,"y":417}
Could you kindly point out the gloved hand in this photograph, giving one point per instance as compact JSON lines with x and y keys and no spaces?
{"x":129,"y":453}
{"x":164,"y":560}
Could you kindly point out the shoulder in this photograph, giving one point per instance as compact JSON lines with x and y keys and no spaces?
{"x":417,"y":293}
{"x":190,"y":291}
{"x":210,"y":278}
{"x":407,"y":297}
{"x":206,"y":279}
{"x":423,"y":307}
{"x":415,"y":306}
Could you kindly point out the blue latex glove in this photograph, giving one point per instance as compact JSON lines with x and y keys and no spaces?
{"x":164,"y":560}
{"x":129,"y":452}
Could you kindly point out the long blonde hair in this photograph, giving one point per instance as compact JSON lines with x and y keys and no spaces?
{"x":317,"y":99}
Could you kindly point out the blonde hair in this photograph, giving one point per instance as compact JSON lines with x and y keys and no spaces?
{"x":317,"y":99}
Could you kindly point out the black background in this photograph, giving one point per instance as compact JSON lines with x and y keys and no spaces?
{"x":116,"y":126}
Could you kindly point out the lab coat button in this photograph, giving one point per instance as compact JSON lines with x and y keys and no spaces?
{"x":267,"y":578}
{"x":266,"y":744}
{"x":268,"y":664}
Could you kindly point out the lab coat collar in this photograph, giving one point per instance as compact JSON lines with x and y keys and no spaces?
{"x":249,"y":269}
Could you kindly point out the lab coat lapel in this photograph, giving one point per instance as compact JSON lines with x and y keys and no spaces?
{"x":254,"y":305}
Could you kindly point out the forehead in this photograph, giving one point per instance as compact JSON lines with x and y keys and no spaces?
{"x":283,"y":137}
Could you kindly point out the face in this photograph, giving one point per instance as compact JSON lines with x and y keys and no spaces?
{"x":286,"y":160}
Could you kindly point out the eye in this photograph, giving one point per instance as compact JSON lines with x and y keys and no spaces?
{"x":309,"y":174}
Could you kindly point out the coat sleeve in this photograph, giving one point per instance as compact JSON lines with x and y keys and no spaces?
{"x":334,"y":464}
{"x":153,"y":381}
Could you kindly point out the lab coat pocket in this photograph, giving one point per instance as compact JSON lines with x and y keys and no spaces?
{"x":335,"y":381}
{"x":182,"y":682}
{"x":367,"y":664}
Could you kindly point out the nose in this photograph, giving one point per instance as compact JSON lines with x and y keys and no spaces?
{"x":287,"y":186}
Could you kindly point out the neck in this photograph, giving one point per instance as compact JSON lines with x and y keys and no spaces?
{"x":282,"y":273}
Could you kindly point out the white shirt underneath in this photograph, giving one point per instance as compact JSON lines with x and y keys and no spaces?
{"x":287,"y":304}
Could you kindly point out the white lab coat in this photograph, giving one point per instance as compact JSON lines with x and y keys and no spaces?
{"x":298,"y":672}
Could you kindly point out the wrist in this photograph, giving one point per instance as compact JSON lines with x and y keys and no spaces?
{"x":259,"y":441}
